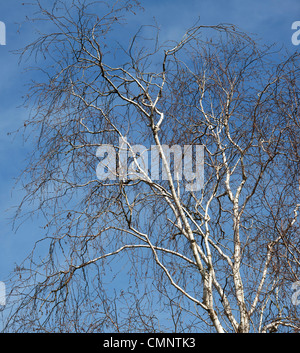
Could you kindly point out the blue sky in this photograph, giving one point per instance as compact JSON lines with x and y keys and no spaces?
{"x":270,"y":20}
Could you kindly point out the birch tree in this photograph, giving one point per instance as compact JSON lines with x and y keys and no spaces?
{"x":137,"y":254}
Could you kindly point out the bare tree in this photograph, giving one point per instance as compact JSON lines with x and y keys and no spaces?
{"x":133,"y":254}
